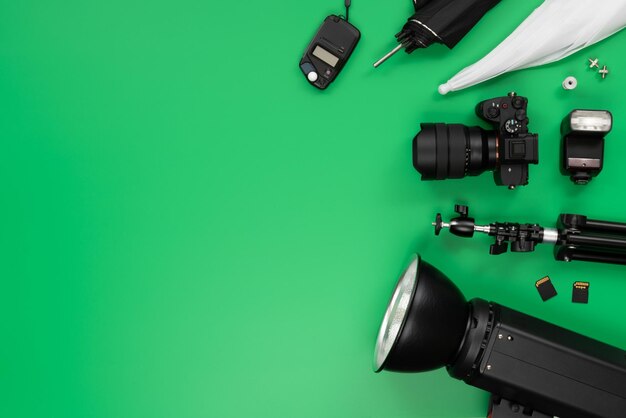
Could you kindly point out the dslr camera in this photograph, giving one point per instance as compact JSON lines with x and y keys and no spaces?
{"x":452,"y":151}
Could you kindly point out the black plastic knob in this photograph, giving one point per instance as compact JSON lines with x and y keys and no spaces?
{"x":493,"y":112}
{"x":497,"y":248}
{"x":461,"y":210}
{"x":522,"y":246}
{"x":438,"y":224}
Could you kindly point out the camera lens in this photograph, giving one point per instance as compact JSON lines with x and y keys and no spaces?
{"x":453,"y":151}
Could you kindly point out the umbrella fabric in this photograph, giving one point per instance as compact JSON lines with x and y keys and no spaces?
{"x":555,"y":30}
{"x":451,"y":20}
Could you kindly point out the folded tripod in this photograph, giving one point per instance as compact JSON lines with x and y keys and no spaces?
{"x":576,"y":237}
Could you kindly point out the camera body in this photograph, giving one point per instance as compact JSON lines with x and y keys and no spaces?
{"x":442,"y":151}
{"x":516,"y":147}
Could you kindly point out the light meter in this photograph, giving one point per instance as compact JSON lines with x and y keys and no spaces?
{"x":329,"y":50}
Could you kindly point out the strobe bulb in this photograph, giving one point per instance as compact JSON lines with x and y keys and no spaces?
{"x":542,"y":367}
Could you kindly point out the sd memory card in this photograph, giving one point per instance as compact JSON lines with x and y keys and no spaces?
{"x":580,"y":293}
{"x":546,"y":288}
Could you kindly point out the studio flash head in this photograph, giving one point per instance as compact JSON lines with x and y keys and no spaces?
{"x":540,"y":368}
{"x":452,"y":151}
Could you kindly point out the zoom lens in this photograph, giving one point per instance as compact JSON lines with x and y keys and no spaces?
{"x":453,"y":151}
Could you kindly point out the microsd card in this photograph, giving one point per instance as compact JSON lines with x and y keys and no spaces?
{"x":580,"y":293}
{"x":546,"y":288}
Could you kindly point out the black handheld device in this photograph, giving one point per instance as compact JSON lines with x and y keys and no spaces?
{"x":329,"y":50}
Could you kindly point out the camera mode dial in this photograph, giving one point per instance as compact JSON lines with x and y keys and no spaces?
{"x":512,"y":126}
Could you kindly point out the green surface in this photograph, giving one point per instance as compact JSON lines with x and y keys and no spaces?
{"x":190,"y":230}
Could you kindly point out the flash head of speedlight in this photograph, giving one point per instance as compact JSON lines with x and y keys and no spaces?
{"x":582,"y":150}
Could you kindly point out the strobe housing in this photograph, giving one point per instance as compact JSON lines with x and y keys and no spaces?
{"x":543,"y":368}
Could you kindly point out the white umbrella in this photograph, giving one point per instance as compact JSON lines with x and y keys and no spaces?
{"x":555,"y":30}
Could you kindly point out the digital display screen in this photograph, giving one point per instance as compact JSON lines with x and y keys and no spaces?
{"x":325,"y":56}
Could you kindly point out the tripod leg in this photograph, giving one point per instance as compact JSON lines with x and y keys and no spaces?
{"x":582,"y":223}
{"x":584,"y":254}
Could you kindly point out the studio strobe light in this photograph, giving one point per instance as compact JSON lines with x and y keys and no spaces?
{"x":529,"y":365}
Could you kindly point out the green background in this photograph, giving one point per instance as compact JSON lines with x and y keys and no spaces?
{"x":190,"y":230}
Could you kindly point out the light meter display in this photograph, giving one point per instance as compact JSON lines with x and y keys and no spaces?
{"x":325,"y":56}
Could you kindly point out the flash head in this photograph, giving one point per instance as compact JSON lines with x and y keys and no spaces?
{"x":424,"y":303}
{"x":600,"y":121}
{"x":582,"y":153}
{"x":540,"y":367}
